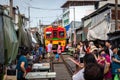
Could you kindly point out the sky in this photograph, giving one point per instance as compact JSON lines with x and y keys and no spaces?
{"x":45,"y":15}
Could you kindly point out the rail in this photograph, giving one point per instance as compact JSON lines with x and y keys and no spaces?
{"x":68,"y":67}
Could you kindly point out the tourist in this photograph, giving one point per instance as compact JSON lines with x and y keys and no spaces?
{"x":108,"y":49}
{"x":93,"y":72}
{"x":88,"y":58}
{"x":82,"y":52}
{"x":22,"y":65}
{"x":104,"y":61}
{"x":115,"y":61}
{"x":49,"y":50}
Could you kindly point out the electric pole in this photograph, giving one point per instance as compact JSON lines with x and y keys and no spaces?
{"x":29,"y":15}
{"x":74,"y":20}
{"x":74,"y":29}
{"x":11,"y":8}
{"x":116,"y":14}
{"x":40,"y":25}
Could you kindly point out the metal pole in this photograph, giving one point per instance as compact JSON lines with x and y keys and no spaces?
{"x":74,"y":29}
{"x":29,"y":15}
{"x":116,"y":14}
{"x":41,"y":28}
{"x":74,"y":18}
{"x":40,"y":25}
{"x":57,"y":20}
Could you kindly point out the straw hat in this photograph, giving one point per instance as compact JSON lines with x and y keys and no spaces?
{"x":93,"y":48}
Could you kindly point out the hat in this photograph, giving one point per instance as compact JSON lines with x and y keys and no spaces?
{"x":91,"y":43}
{"x":93,"y":48}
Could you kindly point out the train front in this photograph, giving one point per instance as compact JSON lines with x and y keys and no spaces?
{"x":57,"y":34}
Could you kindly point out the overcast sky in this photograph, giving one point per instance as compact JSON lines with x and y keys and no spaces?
{"x":45,"y":15}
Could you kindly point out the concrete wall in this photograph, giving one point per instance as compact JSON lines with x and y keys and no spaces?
{"x":76,"y":13}
{"x":102,"y":3}
{"x":80,"y":12}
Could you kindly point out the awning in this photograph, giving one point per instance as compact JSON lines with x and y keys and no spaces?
{"x":33,"y":39}
{"x":114,"y":35}
{"x":115,"y":38}
{"x":67,"y":27}
{"x":98,"y":31}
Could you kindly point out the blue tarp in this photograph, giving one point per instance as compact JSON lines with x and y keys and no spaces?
{"x":67,"y":27}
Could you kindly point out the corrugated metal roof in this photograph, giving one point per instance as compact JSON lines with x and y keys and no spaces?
{"x":77,"y":1}
{"x":103,"y":8}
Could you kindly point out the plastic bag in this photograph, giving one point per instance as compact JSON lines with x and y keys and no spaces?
{"x":116,"y":77}
{"x":57,"y":56}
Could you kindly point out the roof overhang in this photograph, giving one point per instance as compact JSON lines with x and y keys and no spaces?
{"x":100,"y":10}
{"x":70,"y":2}
{"x":114,"y":35}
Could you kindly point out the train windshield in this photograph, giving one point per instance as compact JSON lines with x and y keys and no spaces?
{"x":61,"y":34}
{"x":48,"y":34}
{"x":54,"y":34}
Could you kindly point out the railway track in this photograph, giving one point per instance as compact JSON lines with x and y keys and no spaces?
{"x":62,"y":68}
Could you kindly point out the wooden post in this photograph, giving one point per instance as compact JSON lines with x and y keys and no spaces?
{"x":116,"y":14}
{"x":11,"y":8}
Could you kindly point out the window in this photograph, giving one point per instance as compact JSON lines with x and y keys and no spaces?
{"x":55,"y":34}
{"x":48,"y":35}
{"x":61,"y":34}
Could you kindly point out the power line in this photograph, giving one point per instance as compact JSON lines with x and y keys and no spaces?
{"x":27,"y":3}
{"x":30,"y":7}
{"x":45,"y":9}
{"x":45,"y":17}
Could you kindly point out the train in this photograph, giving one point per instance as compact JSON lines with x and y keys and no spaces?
{"x":56,"y":34}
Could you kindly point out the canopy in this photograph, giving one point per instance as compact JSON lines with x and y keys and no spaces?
{"x":67,"y":27}
{"x":1,"y":42}
{"x":11,"y":41}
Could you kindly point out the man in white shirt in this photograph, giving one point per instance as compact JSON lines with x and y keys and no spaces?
{"x":49,"y":47}
{"x":49,"y":50}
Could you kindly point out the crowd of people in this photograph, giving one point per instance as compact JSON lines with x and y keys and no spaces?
{"x":37,"y":55}
{"x":101,"y":61}
{"x":26,"y":58}
{"x":93,"y":62}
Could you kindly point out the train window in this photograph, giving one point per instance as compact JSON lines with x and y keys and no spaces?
{"x":61,"y":33}
{"x":48,"y":35}
{"x":55,"y":34}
